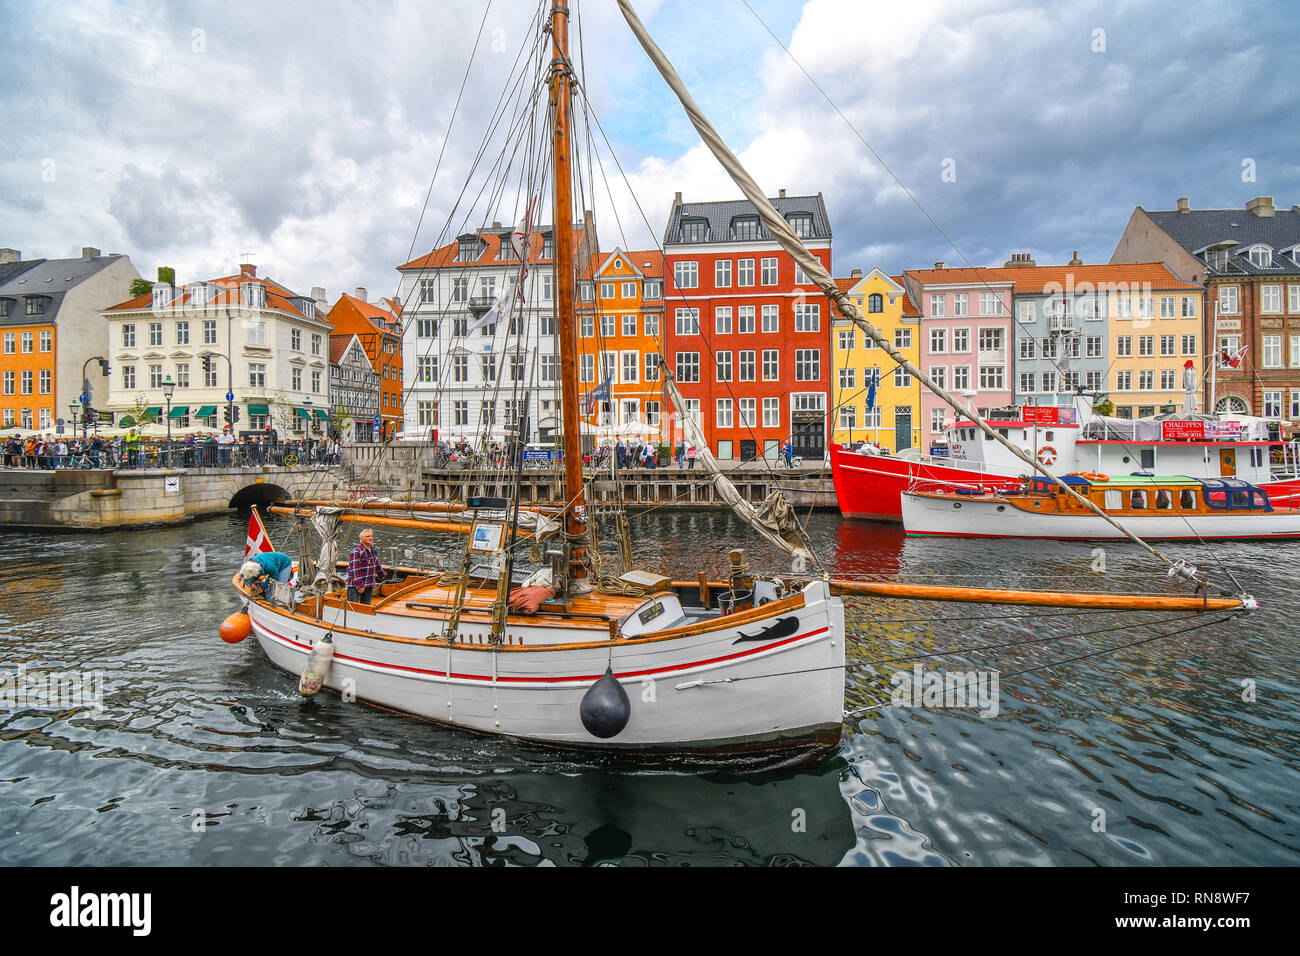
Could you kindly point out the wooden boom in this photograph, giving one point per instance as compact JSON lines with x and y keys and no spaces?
{"x":1117,"y":602}
{"x":384,"y":521}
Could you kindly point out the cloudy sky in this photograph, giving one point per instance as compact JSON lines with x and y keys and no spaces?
{"x":305,"y":134}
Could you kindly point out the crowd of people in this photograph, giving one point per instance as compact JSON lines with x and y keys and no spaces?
{"x":130,"y":449}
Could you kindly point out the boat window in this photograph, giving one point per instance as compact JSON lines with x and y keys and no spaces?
{"x":1138,"y":500}
{"x":1148,"y":459}
{"x":1004,"y":432}
{"x":1260,"y":500}
{"x":1187,"y":499}
{"x":1164,"y":500}
{"x":1114,"y":499}
{"x":1216,"y":499}
{"x":1049,"y":436}
{"x":1240,"y":500}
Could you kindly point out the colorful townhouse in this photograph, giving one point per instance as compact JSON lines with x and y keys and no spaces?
{"x":52,"y":333}
{"x":620,"y":343}
{"x":965,"y":333}
{"x":890,"y":414}
{"x":1126,"y":331}
{"x":1249,"y":262}
{"x":748,"y":334}
{"x":378,"y":330}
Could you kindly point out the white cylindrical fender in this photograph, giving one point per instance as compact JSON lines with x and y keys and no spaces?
{"x":318,"y":665}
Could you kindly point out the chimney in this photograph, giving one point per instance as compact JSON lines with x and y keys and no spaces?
{"x":1075,"y":260}
{"x":496,"y":224}
{"x":318,"y":296}
{"x":248,"y":269}
{"x":90,"y":252}
{"x":1019,"y":260}
{"x":360,"y":293}
{"x":10,"y":255}
{"x":781,"y":194}
{"x":677,"y":198}
{"x":855,"y":274}
{"x":1182,"y":205}
{"x":939,"y":265}
{"x":1262,"y":206}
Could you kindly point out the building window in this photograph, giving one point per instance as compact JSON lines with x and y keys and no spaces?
{"x":875,"y":302}
{"x":1146,"y":380}
{"x":939,"y":342}
{"x":1270,"y":298}
{"x":128,"y":335}
{"x":845,"y":340}
{"x":1228,"y":299}
{"x":848,"y":416}
{"x":745,"y":319}
{"x":990,"y":303}
{"x":688,"y":366}
{"x":960,"y":341}
{"x":724,"y":413}
{"x":1095,"y":345}
{"x":45,"y":381}
{"x":902,"y":377}
{"x":608,"y":326}
{"x":1261,"y":257}
{"x":1168,"y":379}
{"x":587,"y":326}
{"x":629,"y":325}
{"x":694,"y":230}
{"x":747,"y":365}
{"x":586,"y":368}
{"x":550,"y":368}
{"x":723,"y":363}
{"x":1027,"y":381}
{"x":256,"y":334}
{"x":652,"y":325}
{"x":771,"y":365}
{"x":801,"y":223}
{"x":961,"y":377}
{"x":1167,"y":345}
{"x":488,"y":367}
{"x":937,"y":419}
{"x":686,"y":275}
{"x":902,"y":338}
{"x":768,"y":276}
{"x":631,"y":366}
{"x":771,"y":412}
{"x":744,"y":272}
{"x":722,"y":273}
{"x":688,"y":321}
{"x":722,"y":320}
{"x":1124,"y":345}
{"x":937,"y":306}
{"x":1272,"y":351}
{"x":606,"y":290}
{"x":1273,"y":404}
{"x":848,"y":378}
{"x":315,"y":382}
{"x":1049,"y":381}
{"x":256,"y":375}
{"x":10,"y":379}
{"x":652,"y":366}
{"x":939,"y":375}
{"x":961,"y":304}
{"x":1166,"y":307}
{"x":653,"y":289}
{"x":771,"y":318}
{"x":807,"y":365}
{"x":807,"y":317}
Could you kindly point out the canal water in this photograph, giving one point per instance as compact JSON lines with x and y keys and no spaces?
{"x":1181,"y":749}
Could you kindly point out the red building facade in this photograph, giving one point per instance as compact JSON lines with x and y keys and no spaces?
{"x":746,"y":333}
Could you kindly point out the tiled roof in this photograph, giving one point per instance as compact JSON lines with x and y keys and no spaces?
{"x":1199,"y":228}
{"x":720,"y":214}
{"x":278,"y":297}
{"x":52,"y":278}
{"x":446,"y":255}
{"x":339,"y":344}
{"x":909,"y":307}
{"x":1030,"y":280}
{"x":382,"y":319}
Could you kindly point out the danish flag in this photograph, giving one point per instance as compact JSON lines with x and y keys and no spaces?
{"x":258,"y":539}
{"x":1231,"y":359}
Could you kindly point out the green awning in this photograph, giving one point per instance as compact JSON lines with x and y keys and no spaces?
{"x":153,"y":411}
{"x":322,"y":414}
{"x":258,"y":410}
{"x":180,"y":411}
{"x":207,"y":411}
{"x":302,"y":413}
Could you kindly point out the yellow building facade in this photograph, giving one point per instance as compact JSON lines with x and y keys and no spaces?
{"x":892,"y":419}
{"x":1155,"y":328}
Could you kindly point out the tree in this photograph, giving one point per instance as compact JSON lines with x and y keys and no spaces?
{"x":1104,"y":407}
{"x":138,"y":413}
{"x":140,"y":287}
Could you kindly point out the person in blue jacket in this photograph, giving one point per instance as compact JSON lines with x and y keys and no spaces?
{"x":267,"y":564}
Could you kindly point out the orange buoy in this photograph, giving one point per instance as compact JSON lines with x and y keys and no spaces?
{"x":235,"y":628}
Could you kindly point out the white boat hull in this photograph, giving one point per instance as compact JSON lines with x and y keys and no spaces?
{"x":698,"y":692}
{"x":992,"y":518}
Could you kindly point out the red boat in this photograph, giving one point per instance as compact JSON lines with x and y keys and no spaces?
{"x":869,"y":484}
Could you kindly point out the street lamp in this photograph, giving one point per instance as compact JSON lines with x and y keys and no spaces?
{"x":169,"y":387}
{"x":72,"y":417}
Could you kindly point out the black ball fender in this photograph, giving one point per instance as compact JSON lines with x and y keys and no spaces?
{"x":605,"y":708}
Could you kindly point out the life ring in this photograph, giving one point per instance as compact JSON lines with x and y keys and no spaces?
{"x":1046,"y":455}
{"x":1094,"y":476}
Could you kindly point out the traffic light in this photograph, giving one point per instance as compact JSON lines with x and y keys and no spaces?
{"x":236,"y":414}
{"x":207,"y":363}
{"x":226,"y":415}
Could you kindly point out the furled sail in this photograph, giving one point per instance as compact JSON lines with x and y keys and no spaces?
{"x":774,"y":519}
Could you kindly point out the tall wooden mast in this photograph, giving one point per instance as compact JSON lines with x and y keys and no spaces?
{"x":561,"y":93}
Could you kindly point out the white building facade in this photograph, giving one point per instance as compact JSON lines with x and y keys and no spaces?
{"x":264,"y":343}
{"x":477,"y":383}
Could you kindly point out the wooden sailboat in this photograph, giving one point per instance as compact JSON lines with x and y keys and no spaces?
{"x":634,"y":662}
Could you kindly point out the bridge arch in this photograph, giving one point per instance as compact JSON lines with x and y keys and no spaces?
{"x":262,"y":494}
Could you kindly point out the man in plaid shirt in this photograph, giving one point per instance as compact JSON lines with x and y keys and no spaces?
{"x":364,"y":569}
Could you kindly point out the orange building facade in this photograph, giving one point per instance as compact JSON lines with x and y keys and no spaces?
{"x":378,"y":327}
{"x":620,"y":341}
{"x":27,"y":376}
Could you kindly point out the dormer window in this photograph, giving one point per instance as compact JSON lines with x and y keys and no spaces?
{"x":745,"y":227}
{"x":548,"y":245}
{"x":253,"y":295}
{"x":1217,"y":259}
{"x":695,"y":230}
{"x":162,"y":295}
{"x":6,"y":307}
{"x":36,"y":305}
{"x":467,"y":249}
{"x":199,"y":294}
{"x":801,"y":223}
{"x":1261,"y":256}
{"x":505,"y":253}
{"x":307,"y":307}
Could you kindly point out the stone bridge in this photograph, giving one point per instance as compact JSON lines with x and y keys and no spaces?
{"x":103,"y":499}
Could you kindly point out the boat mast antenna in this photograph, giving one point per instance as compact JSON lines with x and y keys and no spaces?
{"x":561,"y":109}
